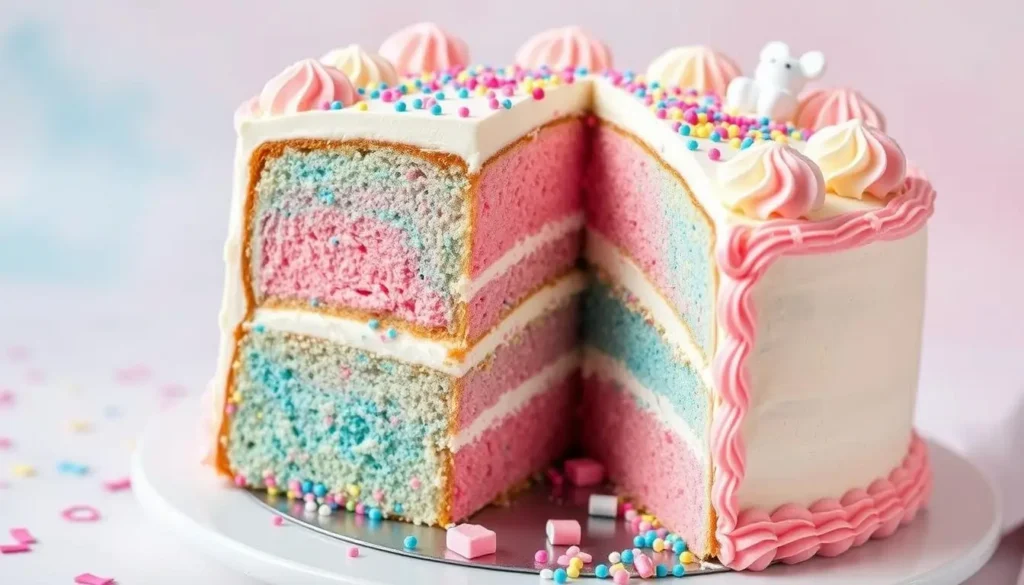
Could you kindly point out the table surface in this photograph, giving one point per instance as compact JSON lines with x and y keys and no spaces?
{"x":63,"y":400}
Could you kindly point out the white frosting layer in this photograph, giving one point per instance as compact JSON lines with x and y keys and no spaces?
{"x":833,"y":371}
{"x":626,"y":273}
{"x":596,"y":362}
{"x":513,"y":400}
{"x":550,"y":232}
{"x":423,"y":351}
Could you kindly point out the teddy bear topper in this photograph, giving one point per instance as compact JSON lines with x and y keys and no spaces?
{"x":777,"y":82}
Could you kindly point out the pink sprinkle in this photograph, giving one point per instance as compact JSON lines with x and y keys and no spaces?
{"x":508,"y":91}
{"x":325,"y":106}
{"x":5,"y":443}
{"x":541,"y":556}
{"x":662,"y":532}
{"x":414,"y":483}
{"x":563,"y":561}
{"x":17,"y":353}
{"x":715,"y":154}
{"x":585,"y":557}
{"x":90,"y":579}
{"x":645,"y":526}
{"x":173,"y":391}
{"x":494,"y":105}
{"x":23,"y":536}
{"x":345,"y":372}
{"x":463,"y":112}
{"x":294,"y":486}
{"x":8,"y":549}
{"x":278,"y":521}
{"x":328,"y":420}
{"x":353,"y":552}
{"x":626,"y":506}
{"x":6,"y":397}
{"x":240,"y":480}
{"x":35,"y":376}
{"x":554,"y":476}
{"x":572,"y":551}
{"x":139,"y":372}
{"x":490,"y":94}
{"x":230,"y":409}
{"x":360,"y":508}
{"x":81,"y":513}
{"x":621,"y":577}
{"x":538,"y":93}
{"x":310,"y":497}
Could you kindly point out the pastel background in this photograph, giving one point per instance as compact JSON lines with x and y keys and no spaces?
{"x":116,"y":146}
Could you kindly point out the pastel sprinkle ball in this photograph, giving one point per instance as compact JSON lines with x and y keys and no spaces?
{"x":541,"y":556}
{"x":678,"y":546}
{"x":621,"y":578}
{"x":626,"y":556}
{"x":614,"y":557}
{"x":353,"y":552}
{"x":278,"y":521}
{"x":573,"y":572}
{"x":81,"y":513}
{"x":601,"y":571}
{"x":715,"y":154}
{"x":678,"y":571}
{"x":410,"y":542}
{"x":661,"y":571}
{"x":538,"y":93}
{"x":90,"y":579}
{"x":463,"y":112}
{"x":560,"y":576}
{"x":692,"y":145}
{"x":71,"y":468}
{"x":687,"y":557}
{"x":547,"y":574}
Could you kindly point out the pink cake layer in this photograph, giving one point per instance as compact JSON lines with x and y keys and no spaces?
{"x":504,"y":293}
{"x":647,"y":460}
{"x":535,"y":182}
{"x":542,"y":342}
{"x":512,"y":449}
{"x":370,"y":268}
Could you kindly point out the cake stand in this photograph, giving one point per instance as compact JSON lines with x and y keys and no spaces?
{"x":944,"y":545}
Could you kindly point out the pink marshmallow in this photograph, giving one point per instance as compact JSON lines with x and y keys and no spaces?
{"x":563,"y":560}
{"x":541,"y":556}
{"x":584,"y":472}
{"x":565,"y":532}
{"x":621,"y":577}
{"x":644,"y":565}
{"x":471,"y":540}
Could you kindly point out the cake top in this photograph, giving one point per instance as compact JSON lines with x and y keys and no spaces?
{"x":697,"y":93}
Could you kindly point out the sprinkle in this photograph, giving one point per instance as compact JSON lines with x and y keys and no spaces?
{"x":6,"y":398}
{"x":90,"y":579}
{"x":576,"y":563}
{"x":626,"y":556}
{"x":373,"y":323}
{"x":22,"y":536}
{"x":678,"y":571}
{"x":638,"y":541}
{"x":80,"y":426}
{"x":678,"y":546}
{"x":560,"y":576}
{"x":658,"y":545}
{"x":375,"y":514}
{"x":747,"y":143}
{"x":278,"y":521}
{"x":392,"y":333}
{"x":547,"y":574}
{"x":81,"y":513}
{"x":621,"y":578}
{"x":8,"y":549}
{"x":538,"y":93}
{"x":562,"y":561}
{"x":324,"y":510}
{"x":362,"y":106}
{"x":506,"y":103}
{"x":660,"y":571}
{"x":692,"y":145}
{"x":398,"y":508}
{"x":572,"y":572}
{"x":414,"y":483}
{"x":687,"y":558}
{"x":24,"y":470}
{"x":601,"y":571}
{"x":541,"y":556}
{"x":353,"y":552}
{"x":400,"y":106}
{"x":463,"y":112}
{"x":435,"y":109}
{"x":715,"y":154}
{"x":410,"y":542}
{"x":417,"y":104}
{"x":336,"y":105}
{"x":614,"y":557}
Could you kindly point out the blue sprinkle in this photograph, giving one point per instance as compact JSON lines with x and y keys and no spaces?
{"x":436,"y":109}
{"x":626,"y":556}
{"x":287,"y":374}
{"x":439,"y":96}
{"x":678,"y":570}
{"x":718,"y":116}
{"x":259,"y":328}
{"x":307,"y":486}
{"x":392,"y":333}
{"x":506,"y":103}
{"x":582,"y":71}
{"x":410,"y":542}
{"x":417,"y":104}
{"x":72,"y":468}
{"x":601,"y":571}
{"x":373,"y":324}
{"x":638,"y":541}
{"x":398,"y":508}
{"x":715,"y":137}
{"x":375,"y":94}
{"x":402,"y":89}
{"x":375,"y":514}
{"x":319,"y":490}
{"x":382,"y":85}
{"x":560,"y":575}
{"x":649,"y":540}
{"x":463,"y":93}
{"x":651,"y":534}
{"x":678,"y":547}
{"x":765,"y":120}
{"x":747,"y":142}
{"x":692,"y":145}
{"x":334,"y":241}
{"x":684,"y":129}
{"x":418,"y":83}
{"x":661,"y":571}
{"x":641,"y":92}
{"x":361,"y":91}
{"x":702,"y":110}
{"x":314,"y":302}
{"x":655,"y":85}
{"x":400,"y":106}
{"x":335,"y":105}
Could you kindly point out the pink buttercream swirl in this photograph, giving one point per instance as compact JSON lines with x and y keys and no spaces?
{"x":425,"y":47}
{"x":568,"y":47}
{"x":752,"y":539}
{"x":304,"y":86}
{"x":827,"y":107}
{"x":857,"y":159}
{"x":771,"y":179}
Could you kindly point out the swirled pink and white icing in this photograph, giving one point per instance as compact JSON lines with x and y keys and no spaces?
{"x":826,"y":107}
{"x":304,"y":86}
{"x":363,"y":68}
{"x":425,"y":47}
{"x":695,"y":67}
{"x":769,"y":180}
{"x":569,"y":47}
{"x":857,"y":159}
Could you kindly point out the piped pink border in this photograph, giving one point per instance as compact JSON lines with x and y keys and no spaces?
{"x":752,"y":539}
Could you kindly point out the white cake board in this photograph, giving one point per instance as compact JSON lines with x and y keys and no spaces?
{"x":943,"y":546}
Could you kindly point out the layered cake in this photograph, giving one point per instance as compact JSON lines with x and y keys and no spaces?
{"x":441,"y":276}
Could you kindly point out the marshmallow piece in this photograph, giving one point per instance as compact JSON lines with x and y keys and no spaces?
{"x":603,"y":505}
{"x":563,"y":532}
{"x":584,"y":472}
{"x":471,"y":540}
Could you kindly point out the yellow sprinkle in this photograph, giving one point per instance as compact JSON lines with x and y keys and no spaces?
{"x":734,"y":142}
{"x":80,"y":426}
{"x":615,"y":568}
{"x":734,"y":130}
{"x":732,"y":111}
{"x":702,"y":132}
{"x":686,"y":557}
{"x":527,"y":85}
{"x":775,"y":134}
{"x":410,"y":87}
{"x":576,"y":562}
{"x":481,"y":89}
{"x":702,"y":117}
{"x":647,"y":518}
{"x":23,"y":470}
{"x":795,"y":135}
{"x":462,"y":76}
{"x":675,"y":113}
{"x":292,"y":495}
{"x":572,"y":572}
{"x":353,"y":490}
{"x":757,"y":134}
{"x":657,"y":94}
{"x":782,"y":139}
{"x":272,"y":491}
{"x":362,"y":106}
{"x":554,"y":81}
{"x":658,"y":545}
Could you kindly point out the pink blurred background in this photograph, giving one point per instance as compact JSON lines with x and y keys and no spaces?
{"x":117,"y":144}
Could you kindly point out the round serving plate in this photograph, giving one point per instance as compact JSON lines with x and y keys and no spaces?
{"x":944,"y":545}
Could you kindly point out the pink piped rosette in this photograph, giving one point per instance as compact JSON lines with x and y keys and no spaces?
{"x":696,"y":67}
{"x":425,"y":47}
{"x":857,"y":160}
{"x":827,"y":107}
{"x":568,"y":47}
{"x":770,"y":180}
{"x":304,"y":86}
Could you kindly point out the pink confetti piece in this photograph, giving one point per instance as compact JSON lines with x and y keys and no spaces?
{"x":132,"y":374}
{"x":18,"y":353}
{"x":90,"y":579}
{"x":23,"y":536}
{"x":117,"y":485}
{"x":9,"y":549}
{"x":278,"y":521}
{"x":81,"y":513}
{"x":173,"y":391}
{"x":5,"y":443}
{"x":6,"y":398}
{"x":35,"y":376}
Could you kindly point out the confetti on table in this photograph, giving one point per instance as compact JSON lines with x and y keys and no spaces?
{"x":117,"y":485}
{"x":18,"y":353}
{"x":173,"y":391}
{"x":6,"y":398}
{"x":8,"y":549}
{"x":72,"y":468}
{"x":35,"y":376}
{"x":22,"y":536}
{"x":5,"y":443}
{"x":90,"y":579}
{"x":24,"y":470}
{"x":278,"y":521}
{"x":81,"y":513}
{"x":80,"y":426}
{"x":132,"y":374}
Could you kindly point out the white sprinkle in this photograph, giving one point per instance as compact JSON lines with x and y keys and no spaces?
{"x":547,"y":574}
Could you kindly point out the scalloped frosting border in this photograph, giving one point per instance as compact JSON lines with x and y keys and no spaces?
{"x":752,"y":539}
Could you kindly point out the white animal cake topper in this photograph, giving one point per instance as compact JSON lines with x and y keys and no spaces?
{"x":777,"y":82}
